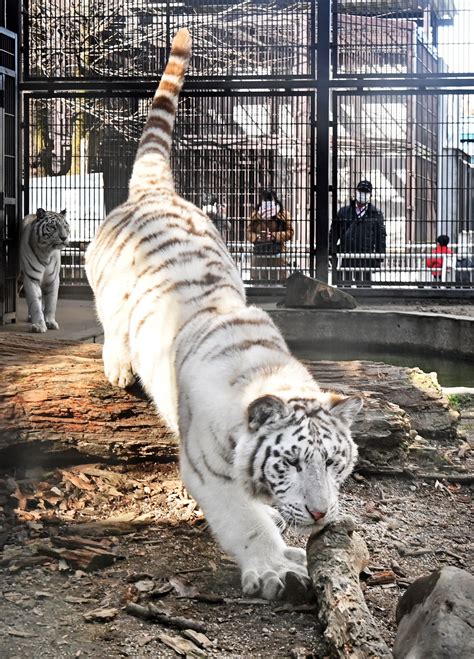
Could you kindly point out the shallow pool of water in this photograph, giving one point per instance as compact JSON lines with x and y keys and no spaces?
{"x":451,"y":372}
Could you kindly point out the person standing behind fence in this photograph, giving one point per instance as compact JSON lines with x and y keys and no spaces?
{"x":441,"y":252}
{"x":269,"y":229}
{"x":359,"y":228}
{"x":270,"y":225}
{"x":217,"y":213}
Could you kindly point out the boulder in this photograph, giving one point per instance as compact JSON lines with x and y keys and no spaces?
{"x":435,"y":616}
{"x":302,"y":291}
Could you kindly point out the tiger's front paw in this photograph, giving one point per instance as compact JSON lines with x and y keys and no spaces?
{"x":38,"y":328}
{"x":52,"y":324}
{"x":117,"y":367}
{"x":282,"y":578}
{"x":119,"y":375}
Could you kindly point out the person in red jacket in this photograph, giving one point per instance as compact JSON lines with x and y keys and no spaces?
{"x":435,"y":261}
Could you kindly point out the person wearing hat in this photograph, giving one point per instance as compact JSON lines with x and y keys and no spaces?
{"x":358,"y":229}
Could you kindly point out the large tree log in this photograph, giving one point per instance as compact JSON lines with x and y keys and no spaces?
{"x":53,"y":394}
{"x":336,"y":557}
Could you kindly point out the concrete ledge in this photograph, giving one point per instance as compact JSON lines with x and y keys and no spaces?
{"x":398,"y":331}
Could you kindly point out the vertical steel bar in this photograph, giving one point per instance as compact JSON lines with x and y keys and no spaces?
{"x":322,"y":138}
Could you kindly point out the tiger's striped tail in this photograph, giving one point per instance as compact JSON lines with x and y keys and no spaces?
{"x":151,"y":168}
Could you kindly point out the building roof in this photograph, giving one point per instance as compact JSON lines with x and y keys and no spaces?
{"x":442,"y":8}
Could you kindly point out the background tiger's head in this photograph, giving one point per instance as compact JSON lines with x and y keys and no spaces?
{"x":51,"y":229}
{"x":298,"y":453}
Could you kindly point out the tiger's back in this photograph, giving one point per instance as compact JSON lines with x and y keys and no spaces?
{"x":173,"y":309}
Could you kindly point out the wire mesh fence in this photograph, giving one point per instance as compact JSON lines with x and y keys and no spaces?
{"x":70,"y":39}
{"x":226,"y":147}
{"x":390,"y":124}
{"x":415,"y":149}
{"x":403,"y":37}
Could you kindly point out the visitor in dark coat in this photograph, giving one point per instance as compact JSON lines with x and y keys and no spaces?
{"x":359,"y":228}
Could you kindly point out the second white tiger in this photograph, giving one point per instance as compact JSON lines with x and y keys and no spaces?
{"x":254,"y":426}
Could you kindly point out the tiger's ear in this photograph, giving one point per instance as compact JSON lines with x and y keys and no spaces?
{"x":40,"y":213}
{"x":63,"y":212}
{"x":345,"y":408}
{"x":266,"y":408}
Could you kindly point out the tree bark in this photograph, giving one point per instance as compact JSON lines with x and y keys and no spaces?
{"x":55,"y":400}
{"x":336,"y":557}
{"x":54,"y":395}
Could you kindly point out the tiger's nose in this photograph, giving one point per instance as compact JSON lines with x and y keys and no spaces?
{"x":317,"y":514}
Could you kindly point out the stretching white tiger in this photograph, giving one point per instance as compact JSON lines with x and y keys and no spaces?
{"x":43,"y":236}
{"x":254,"y":426}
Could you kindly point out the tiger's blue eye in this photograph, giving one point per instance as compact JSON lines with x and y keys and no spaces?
{"x":329,"y":462}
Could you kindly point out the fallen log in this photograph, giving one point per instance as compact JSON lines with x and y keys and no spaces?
{"x":336,"y":557}
{"x":56,"y":402}
{"x":54,"y":399}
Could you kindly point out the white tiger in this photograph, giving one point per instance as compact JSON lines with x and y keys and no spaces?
{"x":43,"y":236}
{"x":254,"y":426}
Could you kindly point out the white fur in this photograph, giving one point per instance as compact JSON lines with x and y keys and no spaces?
{"x":40,"y":263}
{"x":174,"y":313}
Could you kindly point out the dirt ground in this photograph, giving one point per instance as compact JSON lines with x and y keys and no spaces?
{"x":162,"y":552}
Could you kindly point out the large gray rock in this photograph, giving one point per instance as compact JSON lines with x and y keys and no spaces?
{"x":435,"y":617}
{"x":302,"y":291}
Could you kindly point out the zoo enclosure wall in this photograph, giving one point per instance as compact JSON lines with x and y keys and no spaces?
{"x":302,"y":96}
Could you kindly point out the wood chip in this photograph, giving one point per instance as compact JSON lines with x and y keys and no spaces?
{"x":185,"y":589}
{"x":182,"y":646}
{"x":77,"y":481}
{"x":88,"y":558}
{"x":144,"y":585}
{"x":101,"y":615}
{"x":18,"y":632}
{"x":199,"y":639}
{"x":152,"y":613}
{"x":383,"y":577}
{"x":146,"y":638}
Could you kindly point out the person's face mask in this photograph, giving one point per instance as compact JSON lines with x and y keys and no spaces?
{"x":268,"y":209}
{"x":362,"y":197}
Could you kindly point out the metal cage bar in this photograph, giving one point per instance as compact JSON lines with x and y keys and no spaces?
{"x":391,"y":82}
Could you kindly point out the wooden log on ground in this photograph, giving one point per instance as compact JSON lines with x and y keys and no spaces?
{"x":55,"y":400}
{"x":336,"y":557}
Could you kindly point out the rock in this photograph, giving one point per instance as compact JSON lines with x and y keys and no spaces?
{"x":434,"y":617}
{"x":101,"y":615}
{"x":302,"y":291}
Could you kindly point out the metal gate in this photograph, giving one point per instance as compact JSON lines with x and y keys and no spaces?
{"x":8,"y":176}
{"x":305,"y":97}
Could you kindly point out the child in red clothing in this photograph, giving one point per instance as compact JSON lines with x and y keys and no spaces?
{"x":435,"y":261}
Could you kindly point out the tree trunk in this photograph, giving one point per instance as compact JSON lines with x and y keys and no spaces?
{"x":54,"y":396}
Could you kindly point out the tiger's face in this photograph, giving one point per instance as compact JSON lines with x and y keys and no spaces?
{"x":52,"y":229}
{"x":299,"y":454}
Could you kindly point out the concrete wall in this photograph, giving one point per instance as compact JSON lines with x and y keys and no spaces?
{"x":391,"y":331}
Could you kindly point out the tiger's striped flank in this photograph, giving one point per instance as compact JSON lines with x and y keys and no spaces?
{"x":254,"y":426}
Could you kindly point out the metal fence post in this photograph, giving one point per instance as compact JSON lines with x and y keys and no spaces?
{"x":322,"y":138}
